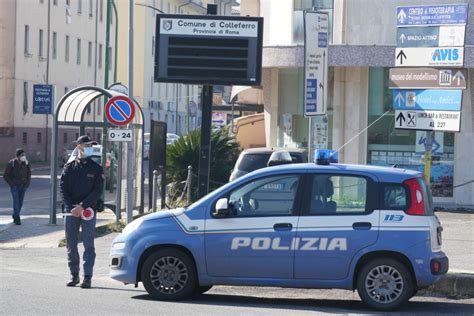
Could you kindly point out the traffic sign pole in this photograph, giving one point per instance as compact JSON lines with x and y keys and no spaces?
{"x":428,"y":149}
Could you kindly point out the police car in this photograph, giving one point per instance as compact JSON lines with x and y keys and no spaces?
{"x":319,"y":225}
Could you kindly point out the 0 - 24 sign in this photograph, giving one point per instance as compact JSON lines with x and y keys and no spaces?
{"x":120,"y":135}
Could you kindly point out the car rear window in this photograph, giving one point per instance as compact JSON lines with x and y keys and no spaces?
{"x":251,"y":162}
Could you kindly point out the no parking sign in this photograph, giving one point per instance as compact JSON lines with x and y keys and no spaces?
{"x":120,"y":110}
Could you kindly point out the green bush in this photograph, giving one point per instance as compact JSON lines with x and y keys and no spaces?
{"x":184,"y":152}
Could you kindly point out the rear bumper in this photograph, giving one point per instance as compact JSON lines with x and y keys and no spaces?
{"x":439,"y":266}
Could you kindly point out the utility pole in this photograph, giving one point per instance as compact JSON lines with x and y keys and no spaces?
{"x":106,"y":85}
{"x":130,"y":151}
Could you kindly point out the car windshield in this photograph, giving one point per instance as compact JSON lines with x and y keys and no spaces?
{"x":251,"y":162}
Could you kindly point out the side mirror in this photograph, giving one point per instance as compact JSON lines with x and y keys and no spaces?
{"x":222,"y":208}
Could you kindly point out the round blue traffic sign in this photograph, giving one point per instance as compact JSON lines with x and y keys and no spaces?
{"x":120,"y":110}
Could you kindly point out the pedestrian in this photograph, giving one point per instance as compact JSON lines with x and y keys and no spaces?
{"x":18,"y":176}
{"x":81,"y":185}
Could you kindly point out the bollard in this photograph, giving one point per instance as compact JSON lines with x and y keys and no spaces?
{"x":155,"y":190}
{"x":189,"y":184}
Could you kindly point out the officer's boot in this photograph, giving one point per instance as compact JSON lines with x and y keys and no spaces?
{"x":74,"y":280}
{"x":86,"y":284}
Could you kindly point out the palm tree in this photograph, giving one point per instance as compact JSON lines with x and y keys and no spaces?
{"x":184,"y":152}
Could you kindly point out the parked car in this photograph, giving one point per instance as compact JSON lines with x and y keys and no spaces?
{"x":256,"y":158}
{"x":314,"y":225}
{"x":171,"y":138}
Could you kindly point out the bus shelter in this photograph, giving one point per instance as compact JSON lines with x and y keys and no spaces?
{"x":71,"y":112}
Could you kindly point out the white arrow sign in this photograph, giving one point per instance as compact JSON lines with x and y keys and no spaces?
{"x":399,"y":98}
{"x":403,"y":38}
{"x":402,"y":16}
{"x":459,"y":76}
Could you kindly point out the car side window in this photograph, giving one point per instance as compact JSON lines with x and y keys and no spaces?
{"x":395,"y":197}
{"x":269,"y":196}
{"x":338,"y":194}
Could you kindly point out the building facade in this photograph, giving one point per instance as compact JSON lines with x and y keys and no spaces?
{"x":176,"y":104}
{"x":362,"y":49}
{"x":58,"y":42}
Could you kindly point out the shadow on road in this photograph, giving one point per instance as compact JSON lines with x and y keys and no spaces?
{"x":316,"y":305}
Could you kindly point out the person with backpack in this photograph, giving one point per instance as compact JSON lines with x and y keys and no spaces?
{"x":18,"y":176}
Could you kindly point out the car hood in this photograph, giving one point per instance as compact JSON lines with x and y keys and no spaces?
{"x":163,"y":214}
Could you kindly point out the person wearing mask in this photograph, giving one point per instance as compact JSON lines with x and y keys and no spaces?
{"x":18,"y":176}
{"x":81,"y":185}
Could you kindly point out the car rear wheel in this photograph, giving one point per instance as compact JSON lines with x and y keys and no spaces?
{"x":385,"y":284}
{"x":169,"y":274}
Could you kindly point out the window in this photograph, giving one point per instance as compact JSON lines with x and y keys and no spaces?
{"x":79,"y":7}
{"x":55,"y":45}
{"x":27,"y":40}
{"x":25,"y":97}
{"x":89,"y":55}
{"x":395,"y":197}
{"x":101,"y":9}
{"x":40,"y":48}
{"x":333,"y":194}
{"x":269,"y":196}
{"x":38,"y":138}
{"x":90,"y":8}
{"x":66,"y":50}
{"x":100,"y":55}
{"x":78,"y":59}
{"x":25,"y":138}
{"x":65,"y":138}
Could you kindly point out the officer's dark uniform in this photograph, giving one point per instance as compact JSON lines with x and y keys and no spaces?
{"x":81,"y":183}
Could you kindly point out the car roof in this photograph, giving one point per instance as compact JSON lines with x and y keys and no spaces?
{"x":264,"y":150}
{"x":384,"y":174}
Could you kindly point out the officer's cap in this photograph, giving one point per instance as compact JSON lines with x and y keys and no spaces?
{"x":84,"y":139}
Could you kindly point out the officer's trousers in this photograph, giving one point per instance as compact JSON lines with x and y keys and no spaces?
{"x":72,"y":225}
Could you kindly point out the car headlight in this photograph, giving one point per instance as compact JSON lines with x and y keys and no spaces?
{"x":132,"y":226}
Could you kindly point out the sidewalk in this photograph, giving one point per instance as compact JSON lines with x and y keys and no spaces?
{"x":36,"y":232}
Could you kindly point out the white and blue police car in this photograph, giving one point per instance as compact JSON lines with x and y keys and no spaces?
{"x":320,"y":225}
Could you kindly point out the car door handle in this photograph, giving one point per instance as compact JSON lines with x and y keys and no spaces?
{"x":283,"y":226}
{"x":362,"y":226}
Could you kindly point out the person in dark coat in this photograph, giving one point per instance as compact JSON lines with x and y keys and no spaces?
{"x":81,"y":186}
{"x":18,"y":176}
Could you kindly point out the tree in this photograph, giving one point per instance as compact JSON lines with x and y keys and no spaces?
{"x":184,"y":152}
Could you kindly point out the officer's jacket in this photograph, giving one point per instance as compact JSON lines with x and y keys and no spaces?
{"x":82,"y":181}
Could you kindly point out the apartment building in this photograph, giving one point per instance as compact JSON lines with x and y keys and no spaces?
{"x":58,"y":42}
{"x":176,"y":104}
{"x":362,"y":49}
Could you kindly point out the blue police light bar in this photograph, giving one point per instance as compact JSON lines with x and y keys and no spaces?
{"x":325,"y":156}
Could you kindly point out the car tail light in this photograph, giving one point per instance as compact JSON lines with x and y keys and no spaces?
{"x":417,"y":205}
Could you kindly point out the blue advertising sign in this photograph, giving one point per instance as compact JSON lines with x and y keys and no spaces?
{"x":441,"y":100}
{"x":432,"y":14}
{"x":418,"y":36}
{"x":43,"y":98}
{"x":430,"y":36}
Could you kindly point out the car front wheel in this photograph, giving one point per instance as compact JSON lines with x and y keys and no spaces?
{"x":385,"y":284}
{"x":169,"y":274}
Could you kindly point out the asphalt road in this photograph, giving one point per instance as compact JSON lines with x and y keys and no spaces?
{"x":32,"y":282}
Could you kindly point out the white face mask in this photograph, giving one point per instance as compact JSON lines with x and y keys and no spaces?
{"x":23,"y":158}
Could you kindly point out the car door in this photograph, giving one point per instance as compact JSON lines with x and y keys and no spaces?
{"x":338,"y":220}
{"x":255,"y":240}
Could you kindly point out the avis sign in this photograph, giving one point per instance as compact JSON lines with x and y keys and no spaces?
{"x":429,"y":56}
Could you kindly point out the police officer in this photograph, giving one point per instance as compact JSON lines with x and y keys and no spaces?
{"x":81,"y":185}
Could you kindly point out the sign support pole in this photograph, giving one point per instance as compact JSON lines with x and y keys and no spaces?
{"x":205,"y":149}
{"x":428,"y":147}
{"x":130,"y":151}
{"x":118,"y":193}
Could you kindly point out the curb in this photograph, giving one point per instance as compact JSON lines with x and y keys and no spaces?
{"x":455,"y":285}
